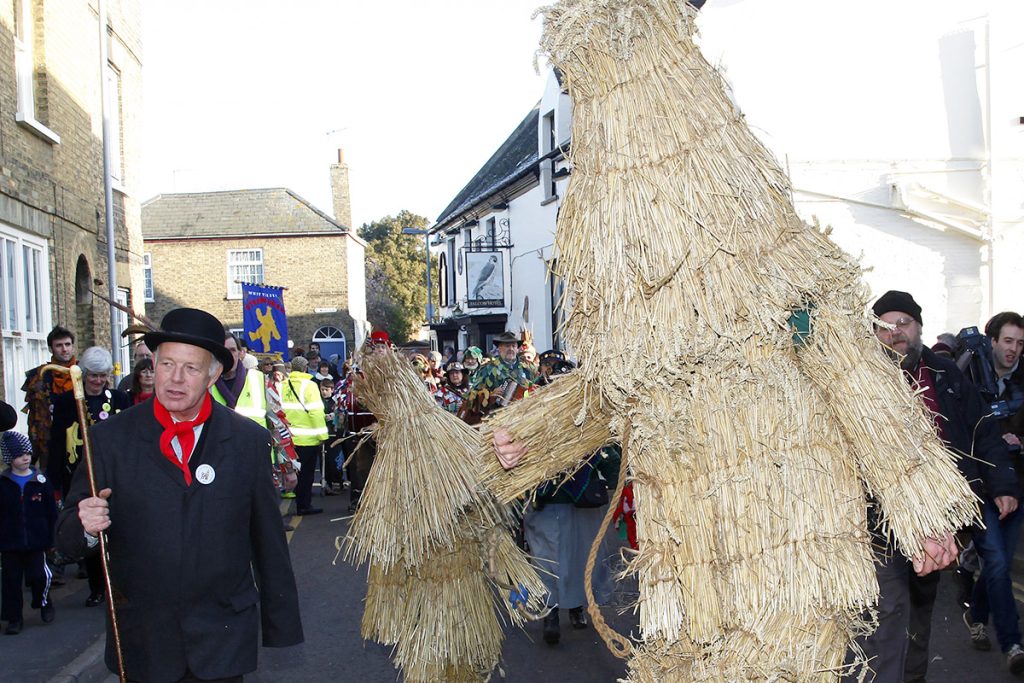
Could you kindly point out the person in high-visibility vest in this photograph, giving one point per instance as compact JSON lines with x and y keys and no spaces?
{"x":241,"y":389}
{"x":300,"y":401}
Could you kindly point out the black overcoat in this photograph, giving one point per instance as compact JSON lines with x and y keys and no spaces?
{"x":190,"y":563}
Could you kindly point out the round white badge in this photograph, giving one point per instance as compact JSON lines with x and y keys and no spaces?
{"x":41,"y":479}
{"x":205,"y":474}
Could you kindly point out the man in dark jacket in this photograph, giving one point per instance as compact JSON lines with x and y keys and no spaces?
{"x":190,"y":510}
{"x":963,"y":422}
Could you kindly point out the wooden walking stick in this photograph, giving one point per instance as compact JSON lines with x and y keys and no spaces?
{"x":83,"y":420}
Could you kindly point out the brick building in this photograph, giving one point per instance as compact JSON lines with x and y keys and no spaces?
{"x":199,"y":245}
{"x":53,"y":241}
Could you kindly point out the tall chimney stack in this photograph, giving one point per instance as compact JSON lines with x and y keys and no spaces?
{"x":340,"y":192}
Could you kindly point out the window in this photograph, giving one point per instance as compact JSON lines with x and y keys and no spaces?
{"x":492,"y":232}
{"x":147,"y":276}
{"x":114,"y":130}
{"x":24,"y":70}
{"x":24,"y":307}
{"x":547,"y":166}
{"x":244,"y":265}
{"x":122,"y":355}
{"x":452,"y":294}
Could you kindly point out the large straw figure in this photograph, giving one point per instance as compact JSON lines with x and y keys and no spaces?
{"x":724,"y":343}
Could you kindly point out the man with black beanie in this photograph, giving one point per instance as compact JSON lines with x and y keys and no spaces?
{"x":963,"y":422}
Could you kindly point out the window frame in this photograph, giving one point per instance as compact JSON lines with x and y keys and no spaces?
{"x":24,"y":69}
{"x":23,"y":348}
{"x":148,"y":293}
{"x":234,"y":289}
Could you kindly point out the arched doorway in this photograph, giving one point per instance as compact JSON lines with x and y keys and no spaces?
{"x":331,"y":341}
{"x":85,"y":323}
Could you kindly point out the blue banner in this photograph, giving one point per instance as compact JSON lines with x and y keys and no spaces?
{"x":264,"y":320}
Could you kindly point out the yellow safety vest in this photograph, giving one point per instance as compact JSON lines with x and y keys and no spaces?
{"x":302,"y":405}
{"x":252,"y":402}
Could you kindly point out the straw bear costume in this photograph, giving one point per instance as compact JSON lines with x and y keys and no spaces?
{"x":725,"y":344}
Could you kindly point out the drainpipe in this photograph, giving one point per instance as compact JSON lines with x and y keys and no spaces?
{"x":108,"y":190}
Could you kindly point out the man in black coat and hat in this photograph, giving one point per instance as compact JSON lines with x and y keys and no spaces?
{"x":190,"y":511}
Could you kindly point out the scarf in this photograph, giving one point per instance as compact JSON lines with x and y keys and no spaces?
{"x":231,"y":389}
{"x":184,"y":432}
{"x":61,"y":381}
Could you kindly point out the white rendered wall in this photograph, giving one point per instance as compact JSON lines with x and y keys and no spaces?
{"x":864,"y":101}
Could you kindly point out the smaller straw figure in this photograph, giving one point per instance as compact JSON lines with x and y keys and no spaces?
{"x":441,"y":555}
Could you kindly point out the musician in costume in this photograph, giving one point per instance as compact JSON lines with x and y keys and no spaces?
{"x":452,"y":391}
{"x":496,"y":384}
{"x":191,"y":516}
{"x":42,"y":389}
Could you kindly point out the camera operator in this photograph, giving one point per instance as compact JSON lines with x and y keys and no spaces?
{"x":999,"y":379}
{"x":1006,"y":332}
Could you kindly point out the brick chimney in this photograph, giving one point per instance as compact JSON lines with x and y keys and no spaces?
{"x":339,"y":191}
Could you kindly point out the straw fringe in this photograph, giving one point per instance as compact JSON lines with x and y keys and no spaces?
{"x":424,"y":478}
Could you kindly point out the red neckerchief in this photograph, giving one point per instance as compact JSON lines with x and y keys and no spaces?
{"x":182,"y":430}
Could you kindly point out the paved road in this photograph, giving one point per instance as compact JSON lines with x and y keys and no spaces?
{"x":332,"y":606}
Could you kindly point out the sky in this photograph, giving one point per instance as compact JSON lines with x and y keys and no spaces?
{"x":262,"y":93}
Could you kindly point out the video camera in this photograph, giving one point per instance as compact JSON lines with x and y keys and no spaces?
{"x":974,"y":358}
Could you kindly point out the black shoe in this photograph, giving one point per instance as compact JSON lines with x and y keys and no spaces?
{"x":578,"y":617}
{"x":551,"y":632}
{"x":310,"y":511}
{"x":94,"y":599}
{"x":48,"y":612}
{"x":14,"y":627}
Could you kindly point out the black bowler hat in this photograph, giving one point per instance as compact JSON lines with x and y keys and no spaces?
{"x":195,"y":327}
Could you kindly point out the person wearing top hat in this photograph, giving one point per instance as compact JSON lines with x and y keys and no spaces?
{"x":177,"y":478}
{"x":496,"y":384}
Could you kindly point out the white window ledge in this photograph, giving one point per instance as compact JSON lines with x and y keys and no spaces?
{"x":36,"y":128}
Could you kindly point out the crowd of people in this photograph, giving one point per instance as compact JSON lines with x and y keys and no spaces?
{"x":972,"y":383}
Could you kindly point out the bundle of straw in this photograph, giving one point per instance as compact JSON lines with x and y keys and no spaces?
{"x":442,"y":560}
{"x":566,"y":432}
{"x":424,"y":478}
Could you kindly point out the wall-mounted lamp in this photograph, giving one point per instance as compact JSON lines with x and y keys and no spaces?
{"x":471,"y":224}
{"x":500,"y":206}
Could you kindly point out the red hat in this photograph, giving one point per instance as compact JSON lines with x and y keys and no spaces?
{"x":380,"y":337}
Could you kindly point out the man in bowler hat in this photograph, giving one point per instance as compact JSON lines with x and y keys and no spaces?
{"x":191,"y":516}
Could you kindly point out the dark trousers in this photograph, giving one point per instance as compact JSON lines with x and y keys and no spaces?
{"x":19,"y":567}
{"x":993,"y":593}
{"x":94,"y":570}
{"x":359,"y":472}
{"x":898,"y":649}
{"x":308,"y":458}
{"x":331,"y":474}
{"x":190,"y":678}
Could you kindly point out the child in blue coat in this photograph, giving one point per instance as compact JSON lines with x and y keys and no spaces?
{"x":28,"y":513}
